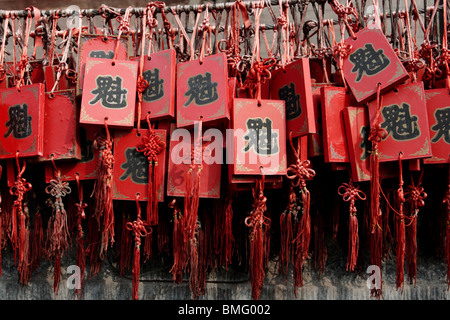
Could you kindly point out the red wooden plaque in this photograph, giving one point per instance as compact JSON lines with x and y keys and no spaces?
{"x":99,"y":46}
{"x":109,"y":92}
{"x":438,"y":108}
{"x":315,"y":143}
{"x":334,"y":100}
{"x":22,"y":121}
{"x":61,"y":138}
{"x":293,"y":86}
{"x":131,"y":167}
{"x":179,"y":164}
{"x":202,"y":90}
{"x":371,"y":60}
{"x":159,"y":71}
{"x":259,"y":142}
{"x":404,"y":116}
{"x":357,"y":128}
{"x":86,"y":167}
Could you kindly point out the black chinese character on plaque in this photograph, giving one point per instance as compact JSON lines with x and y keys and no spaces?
{"x":442,"y":125}
{"x":109,"y":92}
{"x":19,"y":123}
{"x":201,"y":90}
{"x":101,"y":54}
{"x":368,"y":61}
{"x":399,"y":123}
{"x":291,"y":100}
{"x":136,"y":166}
{"x":260,"y":137}
{"x":155,"y":89}
{"x":365,"y":144}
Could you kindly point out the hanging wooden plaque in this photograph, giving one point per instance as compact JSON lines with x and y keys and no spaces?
{"x":22,"y":121}
{"x":293,"y":85}
{"x":371,"y":60}
{"x":202,"y":90}
{"x":99,"y":46}
{"x":109,"y":92}
{"x":131,"y":167}
{"x":404,"y":117}
{"x":158,"y":98}
{"x":438,"y":109}
{"x":334,"y":101}
{"x":259,"y":142}
{"x":61,"y":136}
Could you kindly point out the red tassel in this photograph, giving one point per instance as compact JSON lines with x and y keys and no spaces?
{"x":24,"y":251}
{"x":19,"y":189}
{"x":136,"y":271}
{"x":376,"y":233}
{"x":302,"y":241}
{"x":103,"y":206}
{"x":298,"y":173}
{"x":194,"y":283}
{"x":353,"y":243}
{"x":81,"y":253}
{"x":257,"y":221}
{"x":351,"y":193}
{"x":151,"y":146}
{"x":139,"y":229}
{"x":415,"y":196}
{"x":22,"y":234}
{"x":256,"y":262}
{"x":13,"y":237}
{"x":400,"y":231}
{"x":178,"y":244}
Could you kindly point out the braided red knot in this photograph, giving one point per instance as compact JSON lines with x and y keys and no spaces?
{"x":139,"y":229}
{"x":416,"y":195}
{"x":20,"y":187}
{"x":300,"y":172}
{"x":256,"y":219}
{"x":152,"y":145}
{"x":350,"y":193}
{"x":142,"y":84}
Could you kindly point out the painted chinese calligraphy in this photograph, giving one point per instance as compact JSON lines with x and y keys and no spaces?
{"x":291,"y":100}
{"x":155,"y":89}
{"x":109,"y":92}
{"x":260,"y":137}
{"x":19,"y":123}
{"x":442,"y":125}
{"x":136,"y":167}
{"x":367,"y":61}
{"x":399,"y":123}
{"x":365,"y":144}
{"x":201,"y":90}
